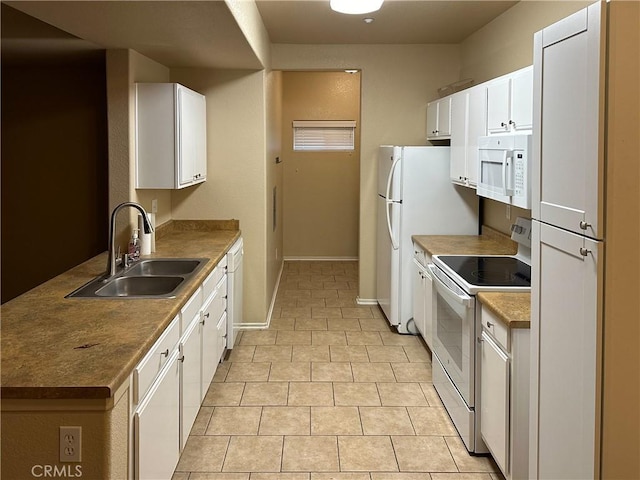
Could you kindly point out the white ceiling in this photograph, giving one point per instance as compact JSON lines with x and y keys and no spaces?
{"x":205,"y":34}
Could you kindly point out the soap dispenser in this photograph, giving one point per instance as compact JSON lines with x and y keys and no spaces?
{"x":134,"y":245}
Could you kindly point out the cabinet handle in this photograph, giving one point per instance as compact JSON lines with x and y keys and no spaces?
{"x":511,"y":122}
{"x":165,"y":353}
{"x":502,"y":124}
{"x":480,"y":340}
{"x":584,"y":252}
{"x":584,"y":225}
{"x":181,"y":358}
{"x":489,"y":324}
{"x":205,"y":316}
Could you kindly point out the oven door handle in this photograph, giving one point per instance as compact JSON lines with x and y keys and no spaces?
{"x":458,"y":297}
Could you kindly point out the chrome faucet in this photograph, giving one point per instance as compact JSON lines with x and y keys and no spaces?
{"x":111,"y":261}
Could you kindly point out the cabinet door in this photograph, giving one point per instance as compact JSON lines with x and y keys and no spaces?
{"x":522,"y":100}
{"x":568,"y":150}
{"x":428,"y":310}
{"x":211,"y":314}
{"x":221,"y":336}
{"x":565,"y":321}
{"x":444,"y":117}
{"x":476,"y":127}
{"x":459,"y":125}
{"x":432,"y":119}
{"x":156,"y":426}
{"x":191,"y":121}
{"x":418,"y":298}
{"x":494,"y":398}
{"x":190,"y":348}
{"x":498,"y":105}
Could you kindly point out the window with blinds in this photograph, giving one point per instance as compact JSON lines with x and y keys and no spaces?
{"x":324,"y":135}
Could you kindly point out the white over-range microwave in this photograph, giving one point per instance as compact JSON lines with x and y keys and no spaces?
{"x":504,"y":169}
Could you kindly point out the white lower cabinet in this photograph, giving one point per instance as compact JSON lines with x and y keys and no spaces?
{"x":494,"y":415}
{"x":422,"y":295}
{"x":504,"y":394}
{"x":157,"y":426}
{"x":191,"y":357}
{"x":171,"y":381}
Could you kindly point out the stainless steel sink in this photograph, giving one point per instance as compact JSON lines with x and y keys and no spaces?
{"x":148,"y":278}
{"x":140,"y":286}
{"x":169,"y":266}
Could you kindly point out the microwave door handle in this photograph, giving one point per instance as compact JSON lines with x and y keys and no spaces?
{"x":506,"y":190}
{"x":461,"y":298}
{"x":389,"y":202}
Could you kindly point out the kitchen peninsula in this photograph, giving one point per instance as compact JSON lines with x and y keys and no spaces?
{"x":69,"y":361}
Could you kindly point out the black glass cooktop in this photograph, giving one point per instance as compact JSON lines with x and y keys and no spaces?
{"x":490,"y":271}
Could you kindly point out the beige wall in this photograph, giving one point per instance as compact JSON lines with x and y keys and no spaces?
{"x":321,"y":189}
{"x":124,"y":69}
{"x":621,"y":346}
{"x":506,"y":43}
{"x":236,"y":185}
{"x":397,"y":82}
{"x":274,"y":181}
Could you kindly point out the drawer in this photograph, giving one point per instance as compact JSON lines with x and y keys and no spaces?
{"x":145,"y":373}
{"x":214,"y":278}
{"x":190,"y":310}
{"x":216,"y":304}
{"x":494,"y":326}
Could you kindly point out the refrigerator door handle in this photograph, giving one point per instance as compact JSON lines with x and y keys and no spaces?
{"x":388,"y":206}
{"x":390,"y":202}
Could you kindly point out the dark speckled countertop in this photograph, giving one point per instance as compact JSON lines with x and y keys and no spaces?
{"x":513,"y":309}
{"x":490,"y":242}
{"x":42,"y":331}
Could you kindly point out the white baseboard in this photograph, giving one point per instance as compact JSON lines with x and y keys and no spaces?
{"x":321,"y":259}
{"x":366,"y":301}
{"x":274,"y":294}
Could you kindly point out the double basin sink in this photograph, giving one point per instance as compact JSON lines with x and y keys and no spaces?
{"x":147,"y":278}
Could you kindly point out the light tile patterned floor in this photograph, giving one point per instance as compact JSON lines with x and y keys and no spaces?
{"x":328,"y":392}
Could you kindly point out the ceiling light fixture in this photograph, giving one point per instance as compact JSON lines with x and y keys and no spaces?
{"x":356,"y":7}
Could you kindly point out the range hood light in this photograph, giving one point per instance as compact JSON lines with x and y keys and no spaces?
{"x":356,"y":7}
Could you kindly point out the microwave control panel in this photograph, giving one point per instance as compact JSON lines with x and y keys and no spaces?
{"x":520,"y":173}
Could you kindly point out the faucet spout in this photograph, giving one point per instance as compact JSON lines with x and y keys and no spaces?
{"x":148,"y":228}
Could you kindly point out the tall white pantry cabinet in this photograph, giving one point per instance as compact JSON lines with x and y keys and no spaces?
{"x":585,"y":313}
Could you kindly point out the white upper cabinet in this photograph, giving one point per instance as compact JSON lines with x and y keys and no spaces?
{"x":510,"y":102}
{"x":170,"y":136}
{"x":468,"y":122}
{"x":568,"y":163}
{"x":439,"y":119}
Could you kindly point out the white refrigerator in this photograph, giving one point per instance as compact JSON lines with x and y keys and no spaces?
{"x":415,"y":197}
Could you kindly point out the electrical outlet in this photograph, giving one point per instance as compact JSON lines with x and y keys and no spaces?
{"x":154,"y":205}
{"x":70,"y":444}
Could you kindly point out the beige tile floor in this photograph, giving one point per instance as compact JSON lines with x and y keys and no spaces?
{"x":328,"y":392}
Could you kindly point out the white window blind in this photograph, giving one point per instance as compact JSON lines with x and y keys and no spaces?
{"x":320,"y":135}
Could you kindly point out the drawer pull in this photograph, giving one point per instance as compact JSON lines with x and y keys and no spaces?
{"x":165,"y":353}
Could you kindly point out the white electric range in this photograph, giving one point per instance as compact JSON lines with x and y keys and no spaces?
{"x":456,"y":324}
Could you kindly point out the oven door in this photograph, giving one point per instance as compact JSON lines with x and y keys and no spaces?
{"x":454,"y":333}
